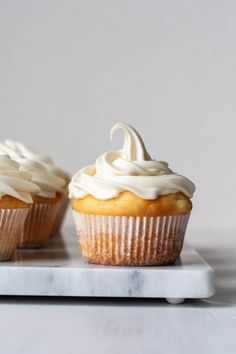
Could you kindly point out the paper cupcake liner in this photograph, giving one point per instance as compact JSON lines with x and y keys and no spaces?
{"x":131,"y":241}
{"x":60,"y":213}
{"x":11,"y":225}
{"x":38,"y":225}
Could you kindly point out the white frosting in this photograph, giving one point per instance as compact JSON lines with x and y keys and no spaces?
{"x":57,"y":171}
{"x":6,"y":150}
{"x":17,"y":148}
{"x":14,"y":182}
{"x":42,"y":173}
{"x":129,"y":169}
{"x":48,"y":182}
{"x":23,"y":151}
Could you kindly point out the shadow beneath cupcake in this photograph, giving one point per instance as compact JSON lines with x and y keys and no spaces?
{"x":220,"y":254}
{"x":225,"y":271}
{"x":55,"y":251}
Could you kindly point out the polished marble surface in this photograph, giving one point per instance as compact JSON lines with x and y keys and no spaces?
{"x":59,"y":270}
{"x":45,"y":325}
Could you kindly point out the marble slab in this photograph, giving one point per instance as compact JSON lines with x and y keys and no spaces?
{"x":59,"y":270}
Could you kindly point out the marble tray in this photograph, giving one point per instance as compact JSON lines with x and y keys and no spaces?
{"x":59,"y":270}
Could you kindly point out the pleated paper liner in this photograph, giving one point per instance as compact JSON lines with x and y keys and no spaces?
{"x":11,"y":226}
{"x":130,"y":241}
{"x":38,"y":225}
{"x":61,"y":213}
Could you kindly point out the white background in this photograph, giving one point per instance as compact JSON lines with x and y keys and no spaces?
{"x":70,"y":69}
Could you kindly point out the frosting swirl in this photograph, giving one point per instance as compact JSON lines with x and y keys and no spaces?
{"x":48,"y":183}
{"x":129,"y":169}
{"x":42,"y":173}
{"x":14,"y":182}
{"x":16,"y":149}
{"x":22,"y":150}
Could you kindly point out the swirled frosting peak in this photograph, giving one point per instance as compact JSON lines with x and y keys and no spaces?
{"x":129,"y":169}
{"x":134,"y":148}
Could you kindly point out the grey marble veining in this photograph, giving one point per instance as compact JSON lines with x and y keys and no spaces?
{"x":59,"y":270}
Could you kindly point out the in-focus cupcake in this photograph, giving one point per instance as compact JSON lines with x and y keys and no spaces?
{"x":129,"y":209}
{"x":16,"y":190}
{"x":47,"y":162}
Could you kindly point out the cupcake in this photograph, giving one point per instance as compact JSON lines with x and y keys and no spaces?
{"x":129,"y":209}
{"x":47,"y":162}
{"x":16,"y":190}
{"x":43,"y":212}
{"x":64,"y":201}
{"x":20,"y":149}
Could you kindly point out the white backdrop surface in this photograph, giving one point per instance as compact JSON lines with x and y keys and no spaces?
{"x":71,"y":69}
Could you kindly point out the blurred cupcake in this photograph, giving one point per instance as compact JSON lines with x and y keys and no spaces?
{"x":16,"y":190}
{"x":47,"y":162}
{"x":43,"y":212}
{"x":129,"y":209}
{"x":64,"y":201}
{"x":20,"y":149}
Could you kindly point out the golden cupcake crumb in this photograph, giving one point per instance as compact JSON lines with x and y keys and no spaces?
{"x":128,"y":204}
{"x":42,"y":200}
{"x":9,"y":202}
